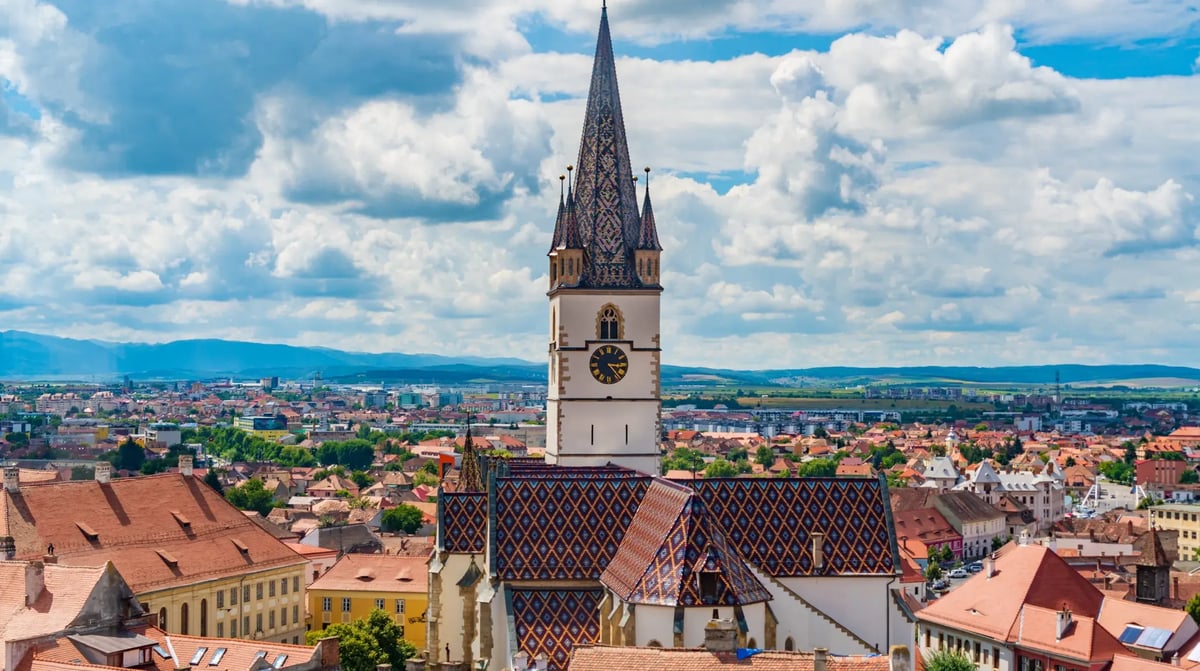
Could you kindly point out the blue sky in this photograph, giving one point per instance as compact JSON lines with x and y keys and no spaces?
{"x":934,"y":182}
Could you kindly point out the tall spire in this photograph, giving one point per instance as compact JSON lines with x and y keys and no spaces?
{"x":648,"y":237}
{"x":605,"y":197}
{"x":470,"y":477}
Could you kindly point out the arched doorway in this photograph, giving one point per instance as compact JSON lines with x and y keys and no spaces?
{"x":183,"y":619}
{"x":204,"y":617}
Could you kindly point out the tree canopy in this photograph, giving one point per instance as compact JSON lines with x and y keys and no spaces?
{"x":251,"y":495}
{"x":404,"y":518}
{"x":949,"y":659}
{"x":365,"y":644}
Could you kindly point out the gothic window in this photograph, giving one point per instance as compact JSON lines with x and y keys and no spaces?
{"x":609,"y":323}
{"x":789,"y":644}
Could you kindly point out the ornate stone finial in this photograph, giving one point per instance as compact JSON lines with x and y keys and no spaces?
{"x":635,"y":179}
{"x":561,"y":180}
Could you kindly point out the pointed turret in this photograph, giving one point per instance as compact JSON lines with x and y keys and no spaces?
{"x":556,"y":242}
{"x":647,"y":253}
{"x":470,"y":477}
{"x":605,"y":198}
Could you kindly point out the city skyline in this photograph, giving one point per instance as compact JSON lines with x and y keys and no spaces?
{"x":833,"y":188}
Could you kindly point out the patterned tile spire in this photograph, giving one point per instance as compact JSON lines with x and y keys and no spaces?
{"x":470,"y":479}
{"x":648,"y":238}
{"x":605,"y":197}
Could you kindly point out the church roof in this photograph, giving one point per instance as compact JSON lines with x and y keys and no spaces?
{"x":562,"y":523}
{"x":463,"y":521}
{"x":669,"y":543}
{"x":603,"y":194}
{"x":769,"y":520}
{"x":551,"y":622}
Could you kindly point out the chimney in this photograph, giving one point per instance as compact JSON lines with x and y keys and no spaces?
{"x":383,"y":667}
{"x":818,"y":550}
{"x":989,"y":566}
{"x":35,"y":581}
{"x":899,"y":658}
{"x":103,"y":472}
{"x":720,"y":635}
{"x":329,"y":650}
{"x":1062,"y":622}
{"x":12,"y":479}
{"x":820,"y":657}
{"x":185,"y":465}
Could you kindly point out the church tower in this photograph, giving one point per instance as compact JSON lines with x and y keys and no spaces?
{"x":604,"y":397}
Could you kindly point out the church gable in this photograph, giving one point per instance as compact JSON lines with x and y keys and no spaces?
{"x":550,"y":622}
{"x":772,"y":522}
{"x":672,"y":556}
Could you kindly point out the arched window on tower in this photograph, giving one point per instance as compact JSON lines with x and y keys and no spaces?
{"x":609,"y":323}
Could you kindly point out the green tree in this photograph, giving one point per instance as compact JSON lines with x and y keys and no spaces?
{"x":82,"y":473}
{"x":1193,"y":607}
{"x":1130,"y":452}
{"x":933,"y":570}
{"x":818,"y":468}
{"x":424,"y":478}
{"x":720,"y":468}
{"x":894,"y":481}
{"x":1189,"y":477}
{"x":764,"y":456}
{"x":365,"y":644}
{"x":213,"y":479}
{"x":251,"y":495}
{"x":362,"y":479}
{"x":404,"y":518}
{"x":949,"y":659}
{"x":130,"y":456}
{"x":152,"y":466}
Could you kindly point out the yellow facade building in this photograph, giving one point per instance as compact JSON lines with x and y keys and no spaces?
{"x":190,"y":556}
{"x":1181,"y":517}
{"x":360,"y":583}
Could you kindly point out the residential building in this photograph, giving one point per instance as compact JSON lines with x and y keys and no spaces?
{"x":1160,"y":472}
{"x":190,"y":557}
{"x":977,"y":522}
{"x":269,"y":427}
{"x":1183,"y":518}
{"x":359,"y":583}
{"x":1028,"y":610}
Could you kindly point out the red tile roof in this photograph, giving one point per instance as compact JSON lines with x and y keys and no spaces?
{"x":140,"y":524}
{"x":375,"y":573}
{"x":608,"y":658}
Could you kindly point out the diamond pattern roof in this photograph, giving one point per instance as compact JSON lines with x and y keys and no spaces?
{"x":552,"y":622}
{"x":769,"y":522}
{"x":464,"y":522}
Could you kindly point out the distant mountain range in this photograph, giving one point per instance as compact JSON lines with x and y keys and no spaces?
{"x":32,"y":356}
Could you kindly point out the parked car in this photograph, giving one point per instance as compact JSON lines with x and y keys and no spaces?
{"x":959,"y":573}
{"x":975,"y":567}
{"x":938,"y":585}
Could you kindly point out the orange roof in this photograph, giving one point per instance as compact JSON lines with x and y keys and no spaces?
{"x":375,"y":573}
{"x":1083,"y":639}
{"x":67,"y":589}
{"x":607,"y":658}
{"x":1117,"y":613}
{"x":159,"y":531}
{"x":1025,"y":575}
{"x":311,"y":551}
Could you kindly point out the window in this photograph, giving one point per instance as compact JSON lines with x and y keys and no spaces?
{"x":233,"y":628}
{"x":258,"y":591}
{"x":379,"y":604}
{"x":162,"y":618}
{"x":608,"y":323}
{"x":345,"y":604}
{"x":258,"y":623}
{"x":789,"y":644}
{"x":978,"y":649}
{"x":246,"y":626}
{"x":246,"y":594}
{"x":295,"y":583}
{"x":271,"y":589}
{"x":401,"y":627}
{"x":400,"y":606}
{"x":220,"y":631}
{"x":296,"y":614}
{"x":708,"y":587}
{"x":233,"y":596}
{"x":928,"y":635}
{"x":220,"y":598}
{"x":199,"y":655}
{"x":283,"y":586}
{"x":216,"y":658}
{"x":271,"y":619}
{"x":941,"y":640}
{"x":283,"y":617}
{"x":326,"y":604}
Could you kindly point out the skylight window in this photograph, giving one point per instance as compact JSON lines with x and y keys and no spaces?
{"x":260,"y":654}
{"x":161,"y":652}
{"x":216,"y":658}
{"x":280,"y":660}
{"x":198,"y":656}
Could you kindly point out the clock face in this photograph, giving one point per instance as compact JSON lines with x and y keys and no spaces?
{"x":609,"y":364}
